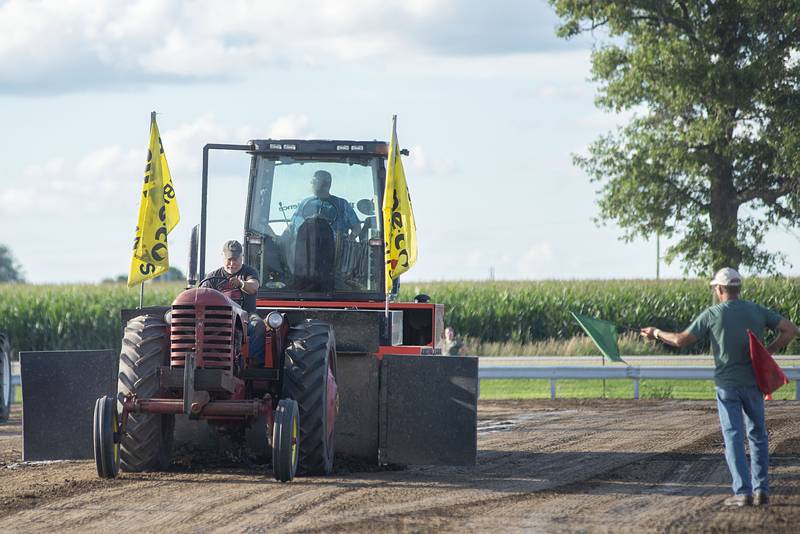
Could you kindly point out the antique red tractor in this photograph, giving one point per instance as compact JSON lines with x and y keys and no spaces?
{"x":339,"y":367}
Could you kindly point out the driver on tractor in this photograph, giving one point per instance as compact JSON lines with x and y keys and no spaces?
{"x":240,"y":283}
{"x":337,"y":211}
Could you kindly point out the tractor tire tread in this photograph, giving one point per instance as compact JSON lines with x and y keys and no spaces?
{"x":145,"y":347}
{"x":311,"y":344}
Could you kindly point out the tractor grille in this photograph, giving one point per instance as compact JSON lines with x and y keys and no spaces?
{"x":207,"y":331}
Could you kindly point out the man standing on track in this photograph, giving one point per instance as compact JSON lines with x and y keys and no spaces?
{"x":738,"y":398}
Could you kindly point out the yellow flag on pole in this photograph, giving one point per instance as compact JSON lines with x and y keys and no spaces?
{"x":399,"y":228}
{"x":158,"y":214}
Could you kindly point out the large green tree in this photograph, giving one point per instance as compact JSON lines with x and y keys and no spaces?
{"x":10,"y":270}
{"x":711,"y":155}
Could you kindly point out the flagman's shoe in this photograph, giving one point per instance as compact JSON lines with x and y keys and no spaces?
{"x":760,"y":499}
{"x":738,"y":501}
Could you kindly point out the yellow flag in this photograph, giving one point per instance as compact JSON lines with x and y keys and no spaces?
{"x":399,"y":229}
{"x":158,"y":214}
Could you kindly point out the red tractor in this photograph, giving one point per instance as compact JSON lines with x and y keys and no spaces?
{"x":338,"y":365}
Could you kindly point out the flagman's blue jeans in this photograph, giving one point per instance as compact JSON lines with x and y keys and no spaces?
{"x":739,"y":407}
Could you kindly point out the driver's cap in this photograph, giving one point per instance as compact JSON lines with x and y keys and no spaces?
{"x":232,"y":249}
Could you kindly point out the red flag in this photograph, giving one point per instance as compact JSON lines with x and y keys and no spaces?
{"x":769,"y":376}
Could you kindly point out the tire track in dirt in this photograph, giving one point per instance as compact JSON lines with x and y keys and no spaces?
{"x":483,"y":506}
{"x":591,"y":466}
{"x":695,"y":462}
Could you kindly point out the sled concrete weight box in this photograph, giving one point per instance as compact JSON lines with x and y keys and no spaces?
{"x":59,"y":391}
{"x":429,"y":410}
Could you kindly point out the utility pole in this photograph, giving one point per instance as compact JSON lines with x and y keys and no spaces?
{"x":658,"y":255}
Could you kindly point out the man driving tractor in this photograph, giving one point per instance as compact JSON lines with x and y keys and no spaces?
{"x":337,"y":211}
{"x":240,"y":283}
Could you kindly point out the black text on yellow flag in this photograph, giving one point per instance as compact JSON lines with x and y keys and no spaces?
{"x":158,"y":214}
{"x":400,"y":230}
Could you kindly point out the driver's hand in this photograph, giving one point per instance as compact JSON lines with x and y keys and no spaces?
{"x":237,"y":282}
{"x":351,"y":236}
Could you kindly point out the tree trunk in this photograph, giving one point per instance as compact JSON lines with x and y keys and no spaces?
{"x":724,"y":215}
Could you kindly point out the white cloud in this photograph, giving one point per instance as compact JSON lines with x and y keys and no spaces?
{"x":70,"y":45}
{"x":184,"y":143}
{"x":16,"y":200}
{"x":290,"y":127}
{"x":534,"y":262}
{"x":537,"y":255}
{"x":41,"y":170}
{"x":107,"y":178}
{"x":421,"y":162}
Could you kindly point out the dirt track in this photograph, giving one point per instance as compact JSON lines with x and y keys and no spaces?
{"x":544,"y":466}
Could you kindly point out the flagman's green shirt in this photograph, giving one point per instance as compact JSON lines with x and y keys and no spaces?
{"x":727,"y":324}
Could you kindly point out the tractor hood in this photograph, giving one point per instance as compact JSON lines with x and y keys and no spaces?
{"x":204,"y":296}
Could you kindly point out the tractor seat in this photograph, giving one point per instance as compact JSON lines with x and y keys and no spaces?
{"x":314,"y":256}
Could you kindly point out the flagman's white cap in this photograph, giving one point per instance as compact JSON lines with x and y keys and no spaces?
{"x":727,"y":277}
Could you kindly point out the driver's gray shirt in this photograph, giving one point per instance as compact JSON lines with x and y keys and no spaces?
{"x":226,"y":286}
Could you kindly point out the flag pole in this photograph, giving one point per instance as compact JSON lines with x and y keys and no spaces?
{"x":603,"y":359}
{"x":141,"y":287}
{"x":386,"y":273}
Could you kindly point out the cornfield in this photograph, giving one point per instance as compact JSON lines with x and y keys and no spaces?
{"x":528,"y":312}
{"x":63,"y":317}
{"x":47,"y":317}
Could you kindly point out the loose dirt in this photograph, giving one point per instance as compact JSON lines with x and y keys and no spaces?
{"x":543,"y":466}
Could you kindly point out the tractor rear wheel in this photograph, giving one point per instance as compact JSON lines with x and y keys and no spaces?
{"x":5,"y":378}
{"x":310,"y":357}
{"x":147,"y":442}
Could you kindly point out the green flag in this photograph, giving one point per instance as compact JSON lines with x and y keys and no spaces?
{"x":604,"y":335}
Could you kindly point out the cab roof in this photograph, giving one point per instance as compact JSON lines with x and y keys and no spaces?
{"x":319,"y":146}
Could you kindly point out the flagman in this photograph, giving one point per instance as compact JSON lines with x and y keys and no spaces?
{"x":738,"y":396}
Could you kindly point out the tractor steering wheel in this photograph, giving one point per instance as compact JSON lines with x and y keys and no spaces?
{"x":204,"y":280}
{"x":239,"y":301}
{"x":319,"y":207}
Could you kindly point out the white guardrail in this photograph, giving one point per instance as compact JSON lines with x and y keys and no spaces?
{"x":510,"y":369}
{"x":554,"y":373}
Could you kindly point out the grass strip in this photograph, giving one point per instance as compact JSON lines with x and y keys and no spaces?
{"x":508,"y":389}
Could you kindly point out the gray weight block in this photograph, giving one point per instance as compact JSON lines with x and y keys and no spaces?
{"x":59,"y":390}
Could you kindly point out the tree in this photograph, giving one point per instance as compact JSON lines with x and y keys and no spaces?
{"x":10,"y":271}
{"x":172,"y":275}
{"x":711,"y":153}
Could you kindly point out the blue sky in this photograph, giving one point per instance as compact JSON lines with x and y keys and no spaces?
{"x":489,"y":102}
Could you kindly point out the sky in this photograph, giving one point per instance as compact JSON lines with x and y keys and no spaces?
{"x":490,"y":103}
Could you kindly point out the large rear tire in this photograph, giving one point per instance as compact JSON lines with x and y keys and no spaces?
{"x":147,"y":442}
{"x":310,"y":355}
{"x":6,"y":389}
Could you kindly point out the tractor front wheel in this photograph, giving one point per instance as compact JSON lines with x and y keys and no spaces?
{"x":147,"y":442}
{"x":309,"y":378}
{"x":5,"y":378}
{"x":285,"y":436}
{"x":106,"y":437}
